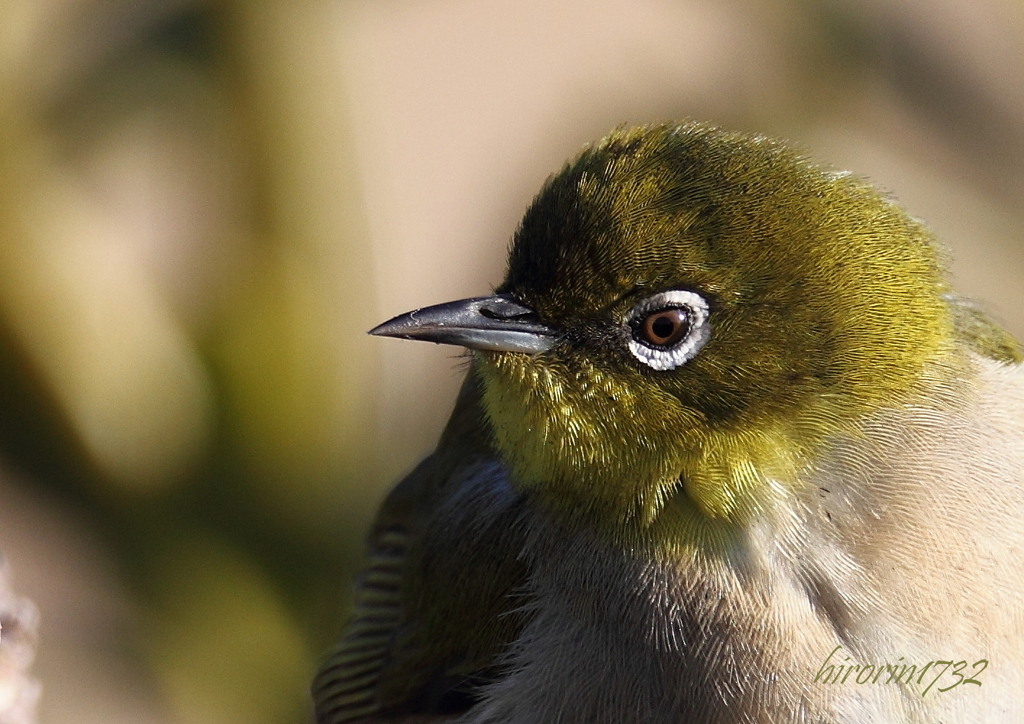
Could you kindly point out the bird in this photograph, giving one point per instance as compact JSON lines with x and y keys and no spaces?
{"x":730,"y":449}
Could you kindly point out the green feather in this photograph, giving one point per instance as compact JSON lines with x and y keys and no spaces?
{"x":826,"y":306}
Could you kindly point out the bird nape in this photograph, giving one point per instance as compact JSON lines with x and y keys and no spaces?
{"x":730,"y":449}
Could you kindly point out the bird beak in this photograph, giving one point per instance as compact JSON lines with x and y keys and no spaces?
{"x":497,"y":323}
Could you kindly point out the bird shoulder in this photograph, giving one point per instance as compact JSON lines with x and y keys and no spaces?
{"x":437,"y":601}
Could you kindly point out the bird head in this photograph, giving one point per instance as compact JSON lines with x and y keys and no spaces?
{"x":688,"y":316}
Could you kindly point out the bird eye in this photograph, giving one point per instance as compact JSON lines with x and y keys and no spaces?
{"x":668,"y":329}
{"x":665,"y":328}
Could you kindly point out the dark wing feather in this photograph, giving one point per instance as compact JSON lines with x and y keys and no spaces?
{"x":437,"y":603}
{"x":345,"y":687}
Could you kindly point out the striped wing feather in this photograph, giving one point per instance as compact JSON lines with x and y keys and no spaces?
{"x":437,"y":604}
{"x":345,"y":687}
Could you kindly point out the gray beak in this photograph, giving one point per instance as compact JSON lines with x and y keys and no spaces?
{"x":497,"y":323}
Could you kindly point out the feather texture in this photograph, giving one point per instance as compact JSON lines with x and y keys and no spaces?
{"x":819,"y":518}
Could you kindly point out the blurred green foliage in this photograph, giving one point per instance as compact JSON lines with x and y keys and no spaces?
{"x":179,"y":355}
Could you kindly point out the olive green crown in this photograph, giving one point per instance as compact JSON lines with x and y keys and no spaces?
{"x":828,"y":302}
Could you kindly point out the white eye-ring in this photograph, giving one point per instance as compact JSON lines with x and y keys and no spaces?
{"x":668,"y":329}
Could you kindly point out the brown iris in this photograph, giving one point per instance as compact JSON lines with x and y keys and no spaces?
{"x":665,"y":327}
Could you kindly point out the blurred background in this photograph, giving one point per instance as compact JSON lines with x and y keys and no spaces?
{"x":204,"y":205}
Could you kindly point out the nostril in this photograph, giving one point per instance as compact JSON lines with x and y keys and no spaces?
{"x":491,"y":313}
{"x":506,"y":310}
{"x":504,"y":317}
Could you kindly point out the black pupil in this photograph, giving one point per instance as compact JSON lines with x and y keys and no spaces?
{"x":663,"y":327}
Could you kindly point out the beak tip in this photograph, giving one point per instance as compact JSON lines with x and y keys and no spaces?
{"x":484,"y":323}
{"x":387,"y":329}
